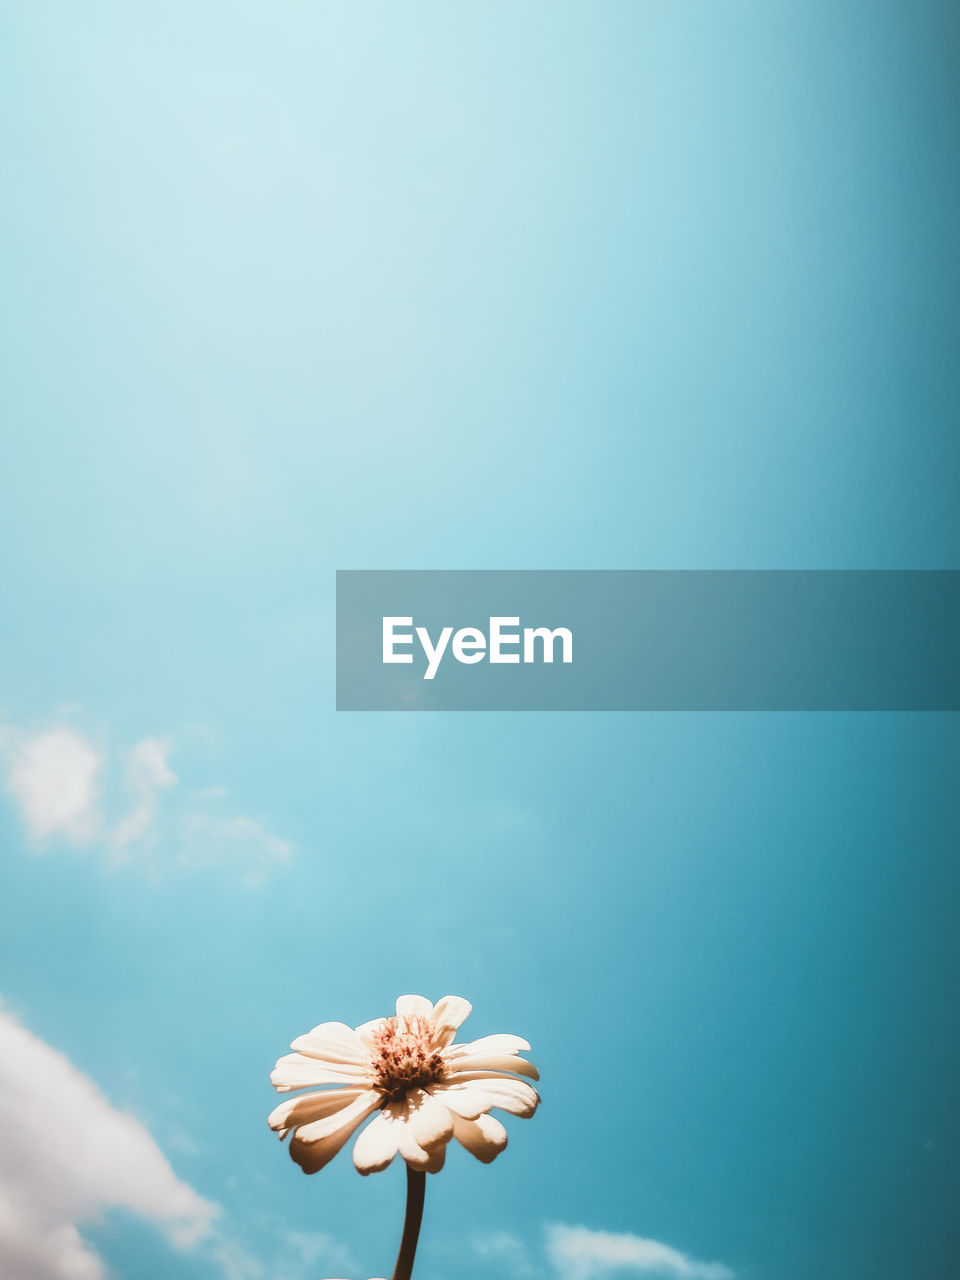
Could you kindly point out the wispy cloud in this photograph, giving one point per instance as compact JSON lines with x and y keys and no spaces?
{"x":147,"y":773}
{"x":54,"y":778}
{"x":239,"y":842}
{"x":507,"y":1252}
{"x":67,"y":1156}
{"x":307,"y":1251}
{"x":58,"y":780}
{"x":577,"y":1253}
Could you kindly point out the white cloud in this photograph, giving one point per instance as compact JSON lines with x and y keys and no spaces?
{"x":300,"y":1255}
{"x":147,"y":773}
{"x":241,"y":842}
{"x":67,"y":1156}
{"x":506,"y":1251}
{"x":53,"y":777}
{"x":309,"y":1251}
{"x":235,"y":1263}
{"x":580,"y":1254}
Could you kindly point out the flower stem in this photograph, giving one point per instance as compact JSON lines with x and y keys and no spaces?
{"x":416,"y":1187}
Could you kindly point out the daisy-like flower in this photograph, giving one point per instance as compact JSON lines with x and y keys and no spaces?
{"x":421,"y":1088}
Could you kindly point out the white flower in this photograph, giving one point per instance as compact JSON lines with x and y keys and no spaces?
{"x":423,"y":1088}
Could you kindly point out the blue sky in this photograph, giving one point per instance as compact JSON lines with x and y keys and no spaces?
{"x":304,"y":287}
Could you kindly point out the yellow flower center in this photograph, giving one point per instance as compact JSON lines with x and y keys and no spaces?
{"x":404,"y":1057}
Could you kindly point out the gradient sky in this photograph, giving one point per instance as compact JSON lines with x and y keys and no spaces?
{"x":298,"y":287}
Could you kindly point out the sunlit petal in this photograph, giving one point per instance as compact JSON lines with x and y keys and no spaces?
{"x":333,"y":1041}
{"x":378,"y":1143}
{"x":494,"y":1062}
{"x":414,"y":1007}
{"x":484,"y":1137}
{"x":310,"y":1106}
{"x":295,"y":1071}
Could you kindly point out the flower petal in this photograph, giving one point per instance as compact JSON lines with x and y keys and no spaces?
{"x":410,"y":1149}
{"x":413,"y":1153}
{"x":366,"y":1029}
{"x":515,"y":1096}
{"x":467,"y":1100}
{"x":476,"y":1077}
{"x":314,"y":1154}
{"x":334,"y":1042}
{"x":487,"y":1045}
{"x":310,"y":1106}
{"x":312,"y":1158}
{"x":429,"y":1120}
{"x":414,"y":1007}
{"x":484,"y":1138}
{"x":295,"y":1071}
{"x":449,"y":1013}
{"x":350,"y":1116}
{"x":492,"y":1062}
{"x":377,"y":1145}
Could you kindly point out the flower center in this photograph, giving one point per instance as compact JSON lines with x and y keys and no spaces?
{"x":404,"y":1057}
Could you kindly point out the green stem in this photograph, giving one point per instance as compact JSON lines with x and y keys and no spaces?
{"x":416,"y":1187}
